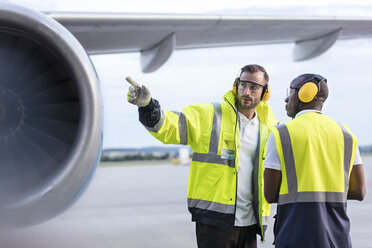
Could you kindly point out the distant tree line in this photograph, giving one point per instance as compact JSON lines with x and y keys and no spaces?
{"x":135,"y":157}
{"x":365,"y":149}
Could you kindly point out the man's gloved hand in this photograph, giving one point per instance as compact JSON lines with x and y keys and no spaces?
{"x":138,"y":95}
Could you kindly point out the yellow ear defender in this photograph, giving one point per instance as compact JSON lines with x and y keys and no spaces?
{"x":235,"y":85}
{"x":266,"y":93}
{"x":310,"y":88}
{"x":307,"y":92}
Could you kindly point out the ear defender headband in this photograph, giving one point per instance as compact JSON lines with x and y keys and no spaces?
{"x":266,"y":93}
{"x":309,"y":90}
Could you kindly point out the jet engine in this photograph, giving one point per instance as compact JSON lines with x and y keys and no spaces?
{"x":50,"y":117}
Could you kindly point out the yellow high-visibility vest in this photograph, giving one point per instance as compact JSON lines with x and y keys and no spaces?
{"x":212,"y":131}
{"x":316,"y":155}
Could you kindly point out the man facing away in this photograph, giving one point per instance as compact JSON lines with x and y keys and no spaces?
{"x":225,"y":188}
{"x":312,"y":167}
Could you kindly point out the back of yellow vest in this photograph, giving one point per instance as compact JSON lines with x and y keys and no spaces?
{"x":322,"y":153}
{"x":316,"y":155}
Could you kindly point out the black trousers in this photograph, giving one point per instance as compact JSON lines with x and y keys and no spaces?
{"x":208,"y":236}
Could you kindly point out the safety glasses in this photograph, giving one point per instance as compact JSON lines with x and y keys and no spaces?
{"x":290,"y":91}
{"x":252,"y":86}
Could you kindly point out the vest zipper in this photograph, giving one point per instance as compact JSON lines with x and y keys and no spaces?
{"x":236,"y":163}
{"x":236,"y":159}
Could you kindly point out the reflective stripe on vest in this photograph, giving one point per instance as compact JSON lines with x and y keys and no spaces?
{"x":293,"y":194}
{"x":182,"y":127}
{"x":216,"y":129}
{"x":212,"y":156}
{"x":213,"y":206}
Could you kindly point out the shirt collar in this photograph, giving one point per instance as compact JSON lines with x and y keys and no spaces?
{"x":245,"y":119}
{"x":307,"y":111}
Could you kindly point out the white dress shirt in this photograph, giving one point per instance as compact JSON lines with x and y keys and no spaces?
{"x":249,"y":134}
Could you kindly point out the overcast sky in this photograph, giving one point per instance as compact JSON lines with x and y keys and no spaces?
{"x":204,"y":75}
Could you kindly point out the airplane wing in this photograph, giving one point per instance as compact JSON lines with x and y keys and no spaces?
{"x":157,"y":36}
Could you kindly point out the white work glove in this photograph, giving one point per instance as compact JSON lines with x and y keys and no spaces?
{"x":138,"y":95}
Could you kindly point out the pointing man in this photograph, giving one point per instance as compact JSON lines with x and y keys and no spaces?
{"x":225,"y":193}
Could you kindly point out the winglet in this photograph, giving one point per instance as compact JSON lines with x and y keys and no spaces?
{"x":310,"y":48}
{"x":153,"y":58}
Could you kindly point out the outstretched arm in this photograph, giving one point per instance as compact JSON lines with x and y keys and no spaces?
{"x":166,"y":126}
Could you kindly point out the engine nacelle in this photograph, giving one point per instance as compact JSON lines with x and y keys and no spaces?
{"x":50,"y":117}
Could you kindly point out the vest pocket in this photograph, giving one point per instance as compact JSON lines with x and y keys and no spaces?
{"x":208,"y":182}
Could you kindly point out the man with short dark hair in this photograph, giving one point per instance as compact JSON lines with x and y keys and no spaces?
{"x":312,"y":167}
{"x":225,"y":188}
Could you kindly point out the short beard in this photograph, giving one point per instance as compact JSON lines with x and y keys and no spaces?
{"x":253,"y":104}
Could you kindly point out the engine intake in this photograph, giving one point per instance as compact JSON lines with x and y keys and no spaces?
{"x":50,"y":117}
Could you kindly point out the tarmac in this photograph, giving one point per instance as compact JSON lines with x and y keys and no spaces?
{"x":145,"y":207}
